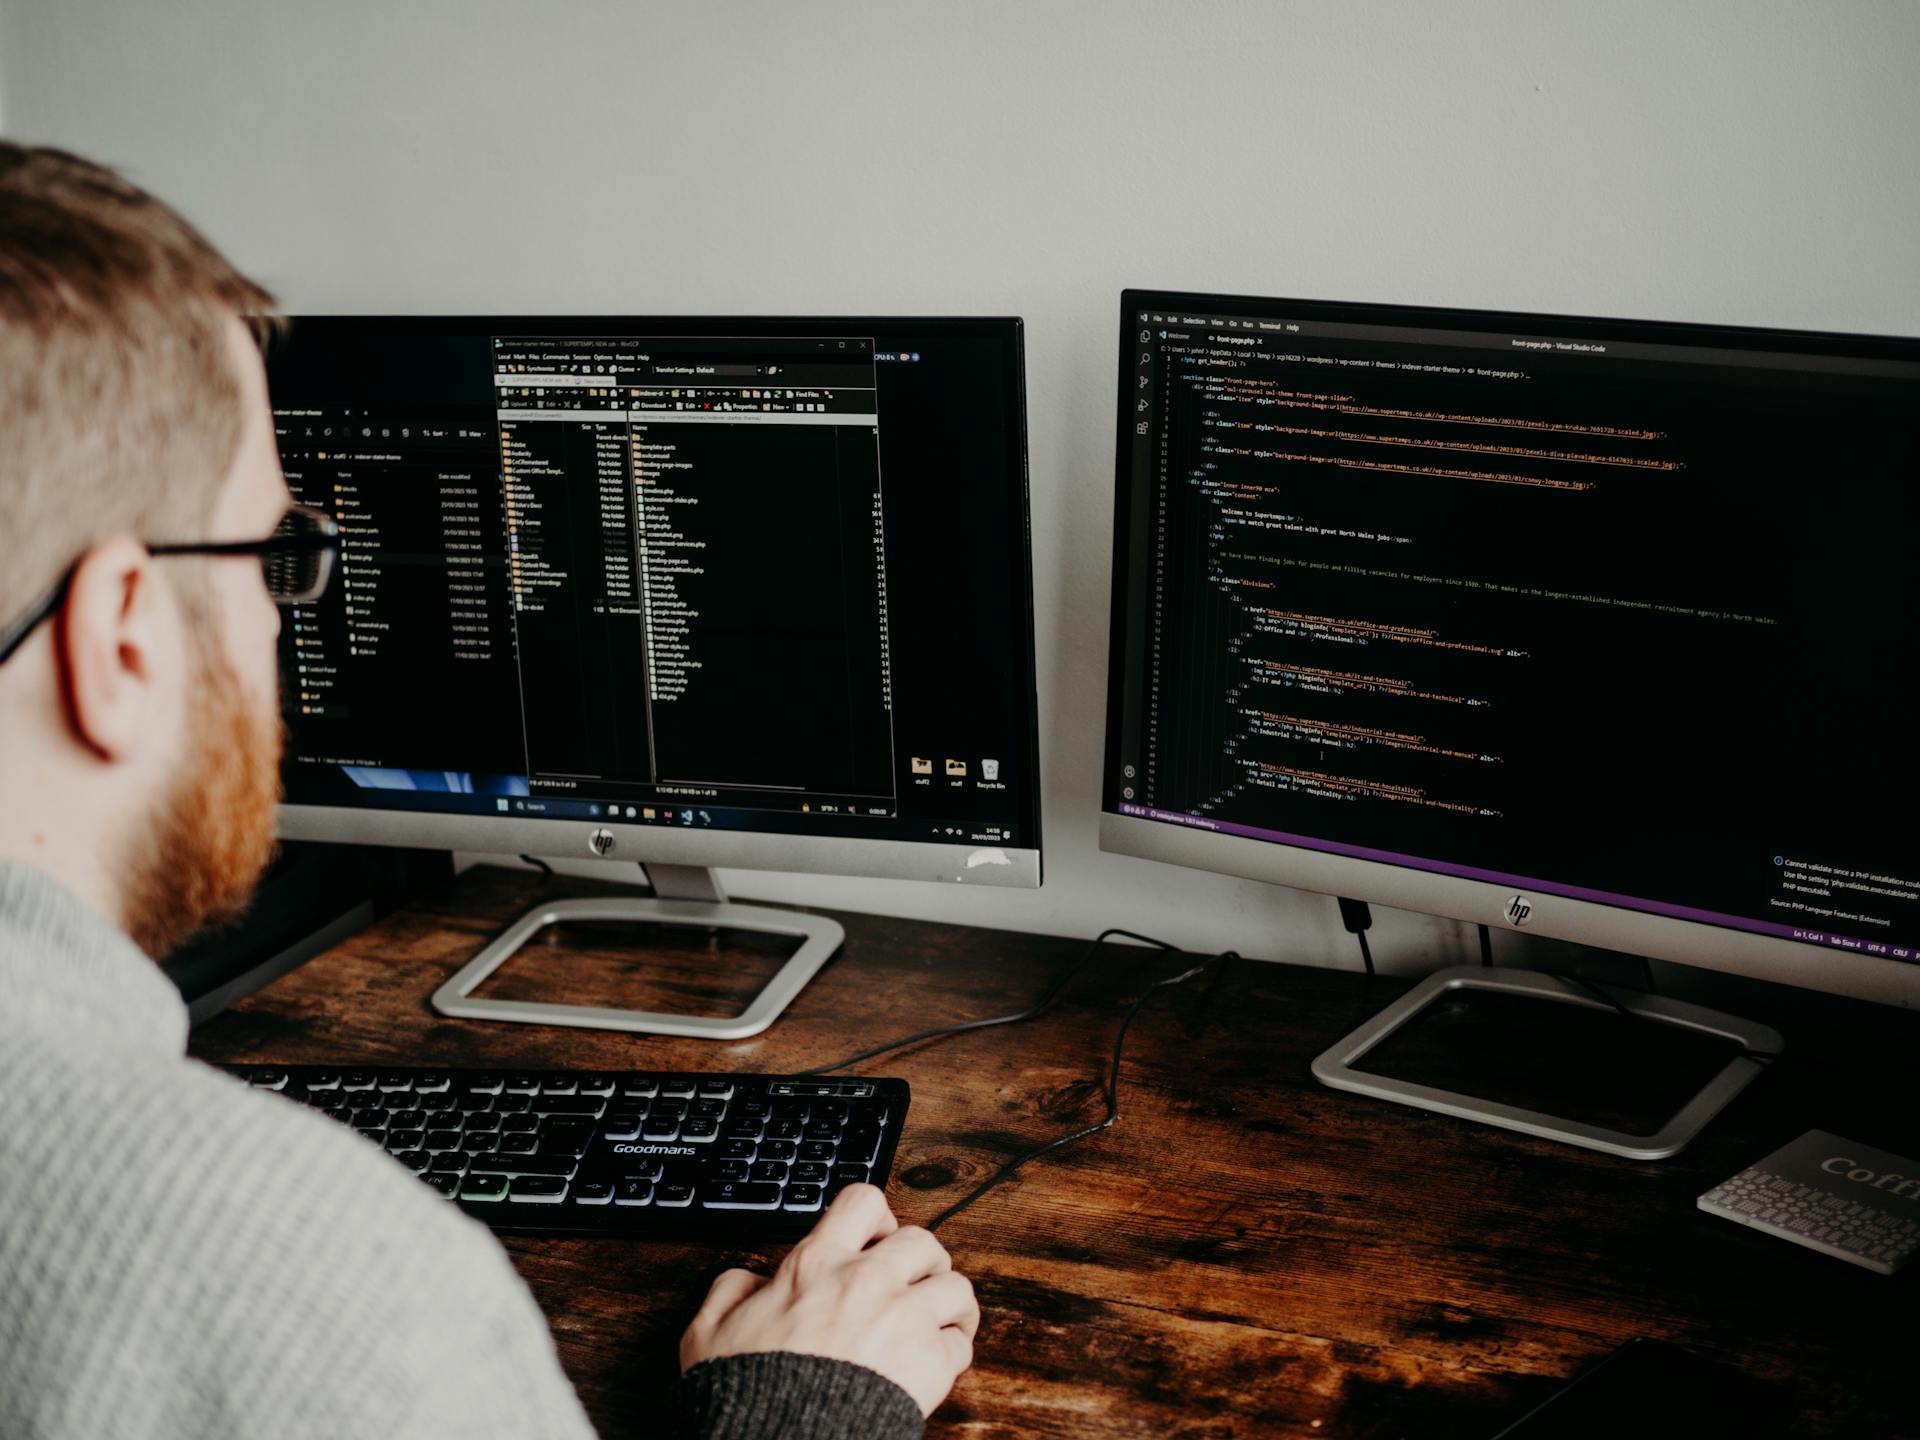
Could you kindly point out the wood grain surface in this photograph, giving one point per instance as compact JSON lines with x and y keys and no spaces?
{"x":1245,"y":1253}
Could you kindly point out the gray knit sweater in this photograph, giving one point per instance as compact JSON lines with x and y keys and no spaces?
{"x":182,"y":1256}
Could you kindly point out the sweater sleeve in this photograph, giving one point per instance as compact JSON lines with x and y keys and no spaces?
{"x":794,"y":1397}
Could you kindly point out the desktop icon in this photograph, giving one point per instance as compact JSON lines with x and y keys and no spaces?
{"x":648,"y":812}
{"x":989,"y":769}
{"x":957,"y":767}
{"x":921,"y":766}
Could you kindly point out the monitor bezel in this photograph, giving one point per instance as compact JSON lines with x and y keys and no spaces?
{"x":1479,"y":902}
{"x":609,"y":840}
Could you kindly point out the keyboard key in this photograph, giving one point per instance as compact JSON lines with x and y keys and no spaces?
{"x":523,"y":1084}
{"x":679,"y":1087}
{"x":522,"y":1124}
{"x":268,"y":1078}
{"x":699,"y":1129}
{"x":444,"y":1139}
{"x":406,"y":1139}
{"x":833,"y":1110}
{"x":742,"y":1129}
{"x":716,"y":1089}
{"x":572,"y":1136}
{"x":482,"y":1082}
{"x":537,"y":1189}
{"x":570,"y":1105}
{"x":622,"y":1125}
{"x":445,"y":1184}
{"x":678,"y":1195}
{"x":823,"y":1130}
{"x":642,"y":1167}
{"x":801,"y":1197}
{"x":732,"y":1149}
{"x":559,"y":1085}
{"x":370,"y":1119}
{"x":480,"y":1143}
{"x":640,"y":1087}
{"x":519,"y":1144}
{"x":845,"y":1175}
{"x":767,"y":1172}
{"x":323,"y":1080}
{"x":786,"y":1130}
{"x":395,"y":1081}
{"x":817,"y":1150}
{"x":415,"y":1160}
{"x":601,"y":1085}
{"x":859,"y":1146}
{"x":408,"y":1119}
{"x":869,"y":1112}
{"x":451,"y":1163}
{"x":358,"y":1080}
{"x":507,"y":1104}
{"x":778,"y":1150}
{"x":661,"y":1129}
{"x":708,"y":1109}
{"x":665,"y":1106}
{"x":441,"y":1101}
{"x":427,"y":1082}
{"x":809,"y":1172}
{"x":740,"y":1195}
{"x":593,"y":1192}
{"x":483,"y":1187}
{"x":733,"y":1170}
{"x":522,"y":1165}
{"x":751,"y":1109}
{"x":480,"y":1124}
{"x":633,"y":1190}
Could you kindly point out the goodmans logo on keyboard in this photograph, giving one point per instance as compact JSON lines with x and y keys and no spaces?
{"x":654,"y":1150}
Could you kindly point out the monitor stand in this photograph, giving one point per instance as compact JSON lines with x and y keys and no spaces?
{"x":1758,"y":1045}
{"x":683,"y":895}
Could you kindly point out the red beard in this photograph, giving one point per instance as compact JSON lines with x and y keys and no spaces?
{"x":214,"y":832}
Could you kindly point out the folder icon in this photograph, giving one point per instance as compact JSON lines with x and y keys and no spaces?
{"x":922,"y":767}
{"x":956,"y":767}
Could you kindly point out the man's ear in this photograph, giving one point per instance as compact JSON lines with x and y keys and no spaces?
{"x":117,"y":643}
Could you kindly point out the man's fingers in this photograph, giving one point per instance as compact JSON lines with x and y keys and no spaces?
{"x":912,"y":1254}
{"x":855,"y":1220}
{"x":729,"y":1288}
{"x":957,"y":1346}
{"x":947,"y":1300}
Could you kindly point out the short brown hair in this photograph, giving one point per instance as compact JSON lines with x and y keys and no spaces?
{"x":119,"y":406}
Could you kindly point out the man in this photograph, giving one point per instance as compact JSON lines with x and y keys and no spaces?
{"x":181,"y":1255}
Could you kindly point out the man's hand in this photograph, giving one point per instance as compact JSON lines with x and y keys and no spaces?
{"x":858,"y":1288}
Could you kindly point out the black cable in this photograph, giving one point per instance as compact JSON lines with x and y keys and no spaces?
{"x":1760,"y":1057}
{"x":1006,"y":1171}
{"x":1486,"y":948}
{"x":538,"y":864}
{"x":1358,"y":918}
{"x":1045,"y":1003}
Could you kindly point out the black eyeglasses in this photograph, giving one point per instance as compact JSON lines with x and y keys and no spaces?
{"x":296,"y":561}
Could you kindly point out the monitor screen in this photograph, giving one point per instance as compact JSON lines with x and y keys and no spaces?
{"x":740,"y":577}
{"x":1606,"y":612}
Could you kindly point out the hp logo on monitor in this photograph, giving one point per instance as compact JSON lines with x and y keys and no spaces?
{"x":600,"y":841}
{"x":1519,"y":910}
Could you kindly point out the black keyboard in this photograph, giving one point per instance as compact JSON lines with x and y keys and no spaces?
{"x":617,"y":1152}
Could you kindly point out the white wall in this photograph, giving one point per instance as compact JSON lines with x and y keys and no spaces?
{"x":1744,"y":162}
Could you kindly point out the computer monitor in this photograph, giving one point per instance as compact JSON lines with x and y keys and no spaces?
{"x":1593,"y":627}
{"x":693,"y":591}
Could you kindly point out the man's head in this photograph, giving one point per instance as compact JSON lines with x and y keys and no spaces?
{"x":139,"y":726}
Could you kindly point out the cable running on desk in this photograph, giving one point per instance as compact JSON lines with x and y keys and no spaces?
{"x":1045,"y":1003}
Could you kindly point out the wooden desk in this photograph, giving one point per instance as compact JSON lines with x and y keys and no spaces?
{"x":1245,"y":1253}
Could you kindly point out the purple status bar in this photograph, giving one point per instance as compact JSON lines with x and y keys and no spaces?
{"x":1551,"y":887}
